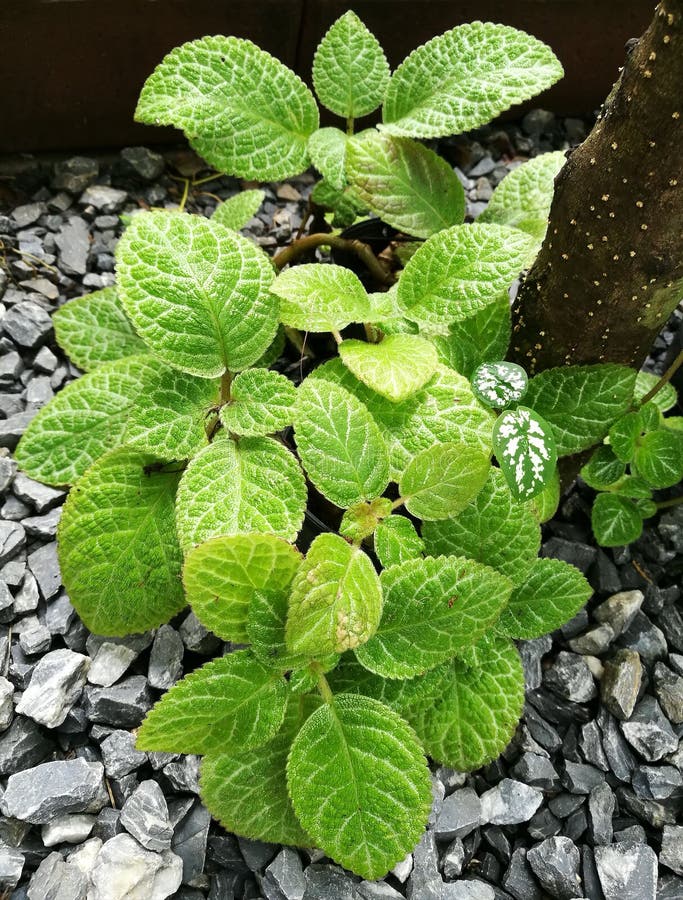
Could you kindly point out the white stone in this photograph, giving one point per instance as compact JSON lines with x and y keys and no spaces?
{"x":56,"y":684}
{"x":126,"y":871}
{"x":67,"y":829}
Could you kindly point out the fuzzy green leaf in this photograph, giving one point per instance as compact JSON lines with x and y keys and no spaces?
{"x":659,"y":458}
{"x":266,"y":631}
{"x":441,"y":481}
{"x":244,"y":111}
{"x":327,"y":149}
{"x":342,"y":203}
{"x":170,"y":415}
{"x":233,"y":488}
{"x":197,"y":292}
{"x":397,"y":541}
{"x":94,"y":329}
{"x":495,"y":529}
{"x":340,"y":445}
{"x":118,"y":550}
{"x":231,"y":703}
{"x":396,"y":368}
{"x":664,"y":399}
{"x":458,"y":272}
{"x":350,"y":70}
{"x":274,"y":351}
{"x":552,"y":594}
{"x":236,"y":211}
{"x":524,"y":446}
{"x":603,"y":469}
{"x":404,"y":183}
{"x":522,"y":199}
{"x":433,"y":608}
{"x":222,"y":576}
{"x":317,"y":297}
{"x":247,"y":791}
{"x":477,"y":713}
{"x":336,"y":600}
{"x":262,"y":402}
{"x":615,"y":520}
{"x":498,"y":384}
{"x":624,"y":434}
{"x":483,"y":337}
{"x":581,"y":402}
{"x":547,"y":502}
{"x":85,"y":420}
{"x":358,"y":748}
{"x":350,"y":677}
{"x":466,"y":77}
{"x":360,"y":520}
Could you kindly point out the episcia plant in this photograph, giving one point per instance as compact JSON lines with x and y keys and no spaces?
{"x":388,"y":635}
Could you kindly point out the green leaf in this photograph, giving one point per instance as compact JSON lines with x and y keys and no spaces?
{"x":499,"y":384}
{"x":459,"y":271}
{"x":85,"y":420}
{"x":327,"y":149}
{"x":397,"y":541}
{"x":261,"y":402}
{"x":478,"y":711}
{"x":603,"y":469}
{"x":444,"y":410}
{"x":196,"y":292}
{"x":266,"y":632}
{"x":94,"y":329}
{"x":646,"y":507}
{"x":222,"y":576}
{"x":350,"y":70}
{"x":522,"y":199}
{"x":659,"y":458}
{"x":624,"y":434}
{"x":360,"y":784}
{"x":651,"y":416}
{"x":350,"y":677}
{"x":615,"y":520}
{"x":342,"y":203}
{"x":524,"y":446}
{"x":433,"y":608}
{"x":673,"y":423}
{"x":495,"y":529}
{"x":170,"y":415}
{"x":664,"y":399}
{"x":632,"y":486}
{"x":581,"y":402}
{"x":441,"y":481}
{"x":274,"y":351}
{"x":552,"y":594}
{"x":466,"y":77}
{"x":547,"y":502}
{"x":233,"y":488}
{"x":247,"y":791}
{"x":336,"y":600}
{"x":231,"y":703}
{"x":236,"y":211}
{"x":242,"y":110}
{"x":317,"y":297}
{"x":404,"y":183}
{"x":118,"y":550}
{"x":396,"y":368}
{"x":360,"y":521}
{"x":483,"y":337}
{"x":340,"y":445}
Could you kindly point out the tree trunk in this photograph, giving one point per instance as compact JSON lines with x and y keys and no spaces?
{"x":610,"y":271}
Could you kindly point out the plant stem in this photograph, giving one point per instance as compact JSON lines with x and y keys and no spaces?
{"x":323,"y":686}
{"x":349,"y":125}
{"x":665,"y":504}
{"x":337,"y":336}
{"x":311,"y":241}
{"x":299,"y":342}
{"x":665,"y":379}
{"x":226,"y":381}
{"x":397,"y":503}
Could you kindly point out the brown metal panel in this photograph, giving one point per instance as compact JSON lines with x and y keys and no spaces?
{"x":72,"y":69}
{"x":587,"y":35}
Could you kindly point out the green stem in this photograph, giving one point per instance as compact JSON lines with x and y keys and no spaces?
{"x":311,"y":241}
{"x":665,"y":379}
{"x":397,"y":503}
{"x":337,"y":336}
{"x":665,"y":504}
{"x":349,"y":125}
{"x":226,"y":382}
{"x":323,"y":686}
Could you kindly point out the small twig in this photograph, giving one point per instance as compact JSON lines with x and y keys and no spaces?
{"x":665,"y":379}
{"x":641,"y":571}
{"x":299,"y":341}
{"x":304,"y":220}
{"x":311,"y":241}
{"x":205,"y":179}
{"x":666,"y":504}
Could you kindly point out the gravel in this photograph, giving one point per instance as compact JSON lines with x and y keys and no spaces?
{"x":579,"y":805}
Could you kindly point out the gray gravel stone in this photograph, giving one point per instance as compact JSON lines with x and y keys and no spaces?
{"x":324,"y":882}
{"x":111,"y":661}
{"x":570,"y":677}
{"x":26,"y":599}
{"x":145,"y":816}
{"x":68,"y":829}
{"x":124,"y":870}
{"x":590,"y":744}
{"x":580,"y":778}
{"x":11,"y":366}
{"x":56,"y":684}
{"x":35,"y":638}
{"x":460,"y":814}
{"x":536,"y":771}
{"x":55,"y":879}
{"x":166,"y":658}
{"x":189,"y":842}
{"x":28,"y":324}
{"x":519,"y":880}
{"x":509,"y":803}
{"x":144,"y":162}
{"x":44,"y":566}
{"x":468,"y":889}
{"x":601,"y":804}
{"x":669,"y":689}
{"x":41,"y":497}
{"x":672,"y":848}
{"x":28,"y":214}
{"x":75,"y":174}
{"x":424,"y":882}
{"x":22,"y":745}
{"x":619,"y":610}
{"x":73,"y":241}
{"x":287,"y":874}
{"x":11,"y":865}
{"x":453,"y":859}
{"x":8,"y":470}
{"x":620,"y":683}
{"x":12,"y":540}
{"x":646,"y":638}
{"x":40,"y":794}
{"x":531,"y":653}
{"x":12,"y":428}
{"x":104,"y":198}
{"x":555,"y":862}
{"x":377,"y":890}
{"x":43,"y":527}
{"x":119,"y":754}
{"x":123,"y":705}
{"x":618,"y":753}
{"x":627,"y":871}
{"x":649,"y":732}
{"x":197,"y":637}
{"x":6,"y":703}
{"x":656,"y":782}
{"x":183,"y":775}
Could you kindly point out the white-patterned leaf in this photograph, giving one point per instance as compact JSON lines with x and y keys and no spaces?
{"x":317,"y":297}
{"x":197,"y":292}
{"x":466,"y":77}
{"x":396,"y":368}
{"x":244,"y":111}
{"x":261,"y":402}
{"x":499,"y":384}
{"x":236,"y":211}
{"x":524,"y":446}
